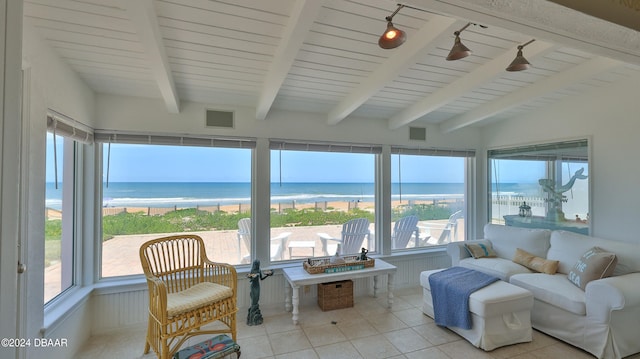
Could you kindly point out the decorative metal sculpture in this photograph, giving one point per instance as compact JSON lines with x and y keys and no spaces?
{"x":363,"y":254}
{"x":555,"y":194}
{"x":254,"y":317}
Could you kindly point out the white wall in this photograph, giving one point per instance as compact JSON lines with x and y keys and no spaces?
{"x":10,"y":151}
{"x":139,"y":114}
{"x":51,"y":84}
{"x":609,"y":116}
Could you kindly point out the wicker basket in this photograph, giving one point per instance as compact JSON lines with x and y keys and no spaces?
{"x":335,"y":295}
{"x":323,"y":264}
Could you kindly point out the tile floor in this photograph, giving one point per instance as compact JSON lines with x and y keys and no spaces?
{"x":368,"y":330}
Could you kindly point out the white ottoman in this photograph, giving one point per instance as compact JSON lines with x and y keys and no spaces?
{"x":500,"y":313}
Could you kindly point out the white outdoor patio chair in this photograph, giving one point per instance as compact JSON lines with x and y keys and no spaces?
{"x":352,"y":238}
{"x":450,"y":227}
{"x":405,"y":228}
{"x":244,"y":235}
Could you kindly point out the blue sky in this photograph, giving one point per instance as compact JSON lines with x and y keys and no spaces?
{"x":143,"y":163}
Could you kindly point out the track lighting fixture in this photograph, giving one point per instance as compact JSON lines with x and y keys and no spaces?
{"x":520,"y":63}
{"x":458,"y":51}
{"x":392,"y":37}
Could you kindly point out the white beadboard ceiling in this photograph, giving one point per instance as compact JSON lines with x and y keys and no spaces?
{"x":322,"y":55}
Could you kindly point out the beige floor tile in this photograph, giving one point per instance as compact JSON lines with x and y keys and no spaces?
{"x":435,"y":334}
{"x":561,"y":350}
{"x":386,"y":322}
{"x":357,"y":329}
{"x":461,"y":349}
{"x":407,"y":340}
{"x":412,"y":317}
{"x":430,"y":353}
{"x":256,"y":347}
{"x":303,"y":354}
{"x":287,"y":342}
{"x":279,"y":323}
{"x":344,"y":350}
{"x":368,"y":330}
{"x":324,"y":335}
{"x":376,"y":346}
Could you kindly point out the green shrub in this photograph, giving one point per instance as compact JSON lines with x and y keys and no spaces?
{"x":425,"y":212}
{"x":191,"y":219}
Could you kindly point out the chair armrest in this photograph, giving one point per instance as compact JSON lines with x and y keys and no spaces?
{"x":221,"y":273}
{"x":157,"y":297}
{"x":324,"y":238}
{"x":282,"y":236}
{"x":457,"y":251}
{"x":613,"y":293}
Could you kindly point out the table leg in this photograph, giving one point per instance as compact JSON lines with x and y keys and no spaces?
{"x":390,"y":290}
{"x":375,"y":286}
{"x":287,"y":296}
{"x":296,"y":302}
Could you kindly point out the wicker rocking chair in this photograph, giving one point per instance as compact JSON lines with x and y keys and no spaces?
{"x":186,"y":292}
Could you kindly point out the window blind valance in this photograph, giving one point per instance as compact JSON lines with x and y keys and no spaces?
{"x":432,"y":152}
{"x":172,"y":140}
{"x":66,"y":127}
{"x":324,"y":147}
{"x":574,"y":151}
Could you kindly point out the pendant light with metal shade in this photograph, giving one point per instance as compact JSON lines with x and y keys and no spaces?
{"x":392,"y":37}
{"x":520,"y":63}
{"x":458,"y":51}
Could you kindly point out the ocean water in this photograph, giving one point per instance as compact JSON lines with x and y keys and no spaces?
{"x":190,"y":194}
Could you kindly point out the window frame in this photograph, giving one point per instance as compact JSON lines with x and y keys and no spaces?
{"x":551,"y":167}
{"x":337,"y":147}
{"x":78,"y":138}
{"x":159,"y":139}
{"x":469,"y":158}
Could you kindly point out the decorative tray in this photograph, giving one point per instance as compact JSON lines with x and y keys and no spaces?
{"x":323,"y":264}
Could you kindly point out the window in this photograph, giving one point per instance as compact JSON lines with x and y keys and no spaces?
{"x":155,"y":186}
{"x":541,"y":186}
{"x":315,"y":189}
{"x":430,"y":185}
{"x":65,"y":139}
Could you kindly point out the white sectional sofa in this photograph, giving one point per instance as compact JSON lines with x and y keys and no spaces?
{"x":603,"y":319}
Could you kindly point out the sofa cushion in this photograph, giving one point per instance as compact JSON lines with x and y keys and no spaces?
{"x":553,"y":289}
{"x":568,"y":246}
{"x":480,"y":250}
{"x":505,"y":240}
{"x":499,"y":267}
{"x":595,"y":263}
{"x":535,"y":263}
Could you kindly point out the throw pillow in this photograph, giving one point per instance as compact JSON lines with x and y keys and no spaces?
{"x":594,"y":264}
{"x":480,"y":250}
{"x":535,"y":263}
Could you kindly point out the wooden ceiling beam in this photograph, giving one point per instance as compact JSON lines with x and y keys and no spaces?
{"x":300,"y":21}
{"x":143,"y":16}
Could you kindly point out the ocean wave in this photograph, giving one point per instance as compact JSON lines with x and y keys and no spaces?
{"x":297,"y":198}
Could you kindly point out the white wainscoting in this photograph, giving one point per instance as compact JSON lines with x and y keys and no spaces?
{"x":113,"y":309}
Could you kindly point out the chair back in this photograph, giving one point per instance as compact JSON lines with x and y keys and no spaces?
{"x":403,"y":229}
{"x":453,"y":221}
{"x":451,"y":226}
{"x":354,"y":233}
{"x":244,"y":231}
{"x":176,"y":260}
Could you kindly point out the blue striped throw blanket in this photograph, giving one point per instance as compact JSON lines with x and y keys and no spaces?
{"x":450,"y":290}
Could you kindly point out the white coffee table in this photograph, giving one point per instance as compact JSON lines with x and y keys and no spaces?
{"x":297,"y":277}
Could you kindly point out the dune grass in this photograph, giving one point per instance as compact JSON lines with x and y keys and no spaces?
{"x":191,"y":220}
